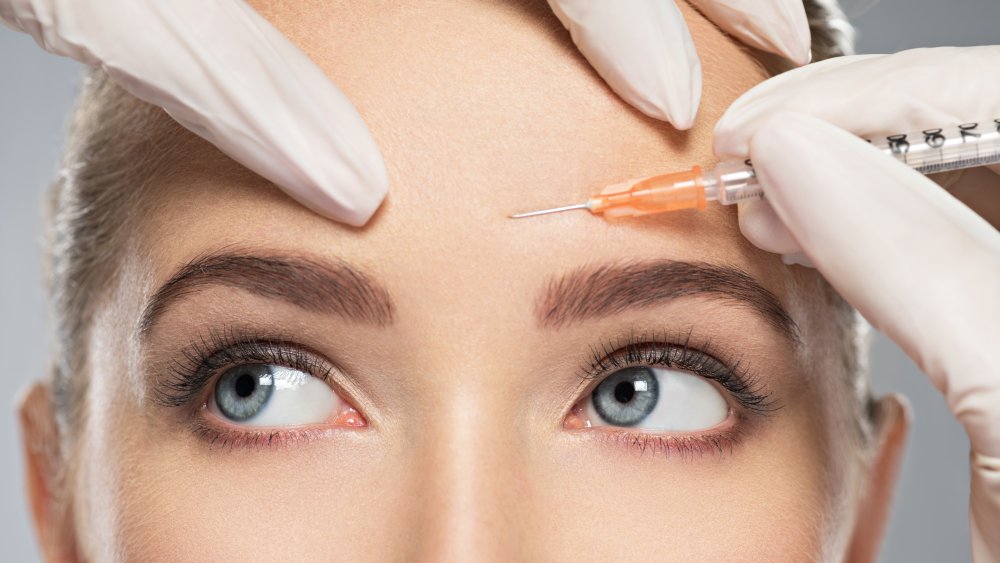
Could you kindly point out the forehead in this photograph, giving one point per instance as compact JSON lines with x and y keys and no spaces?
{"x":453,"y":91}
{"x":481,"y":109}
{"x":487,"y":104}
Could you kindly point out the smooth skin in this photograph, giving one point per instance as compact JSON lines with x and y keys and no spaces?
{"x":466,"y":454}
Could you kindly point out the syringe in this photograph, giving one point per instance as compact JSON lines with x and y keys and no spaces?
{"x":929,"y":151}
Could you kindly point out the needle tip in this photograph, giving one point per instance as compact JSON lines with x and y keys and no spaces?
{"x":547,"y":211}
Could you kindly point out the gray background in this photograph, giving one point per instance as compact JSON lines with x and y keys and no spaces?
{"x":929,"y":522}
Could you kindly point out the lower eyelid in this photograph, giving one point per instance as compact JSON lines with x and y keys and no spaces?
{"x":217,"y":436}
{"x":721,"y":439}
{"x":220,"y":433}
{"x":684,"y":446}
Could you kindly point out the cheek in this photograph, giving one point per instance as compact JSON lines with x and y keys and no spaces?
{"x":768,"y":501}
{"x":306,"y":503}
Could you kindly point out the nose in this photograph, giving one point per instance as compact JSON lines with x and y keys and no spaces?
{"x":474,"y":490}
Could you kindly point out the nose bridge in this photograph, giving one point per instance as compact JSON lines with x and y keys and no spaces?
{"x":472,"y":464}
{"x":469,"y":433}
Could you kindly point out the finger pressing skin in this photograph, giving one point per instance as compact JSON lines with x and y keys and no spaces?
{"x":643,"y":50}
{"x":775,"y":26}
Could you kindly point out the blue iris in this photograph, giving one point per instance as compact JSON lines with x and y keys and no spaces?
{"x":627,"y":396}
{"x":243,"y":391}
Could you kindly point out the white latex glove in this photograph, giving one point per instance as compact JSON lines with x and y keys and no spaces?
{"x":225,"y":73}
{"x":644,"y":51}
{"x":920,"y":266}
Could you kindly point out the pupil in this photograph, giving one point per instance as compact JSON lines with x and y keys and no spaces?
{"x":624,"y":391}
{"x":245,"y":385}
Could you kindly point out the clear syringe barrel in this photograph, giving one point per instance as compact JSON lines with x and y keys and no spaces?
{"x":929,"y":151}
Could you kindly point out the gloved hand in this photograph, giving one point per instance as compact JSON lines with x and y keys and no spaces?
{"x":643,"y":50}
{"x":225,"y":73}
{"x":922,"y":267}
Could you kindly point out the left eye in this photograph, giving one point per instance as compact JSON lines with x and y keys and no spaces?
{"x":272,"y":395}
{"x":656,"y":399}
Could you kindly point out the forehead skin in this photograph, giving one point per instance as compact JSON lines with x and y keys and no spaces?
{"x":481,"y":109}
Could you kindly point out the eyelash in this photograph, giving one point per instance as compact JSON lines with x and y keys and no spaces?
{"x":205,"y":358}
{"x":680,"y":352}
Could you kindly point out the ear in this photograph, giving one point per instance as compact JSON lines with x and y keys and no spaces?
{"x":891,"y":426}
{"x":43,"y":474}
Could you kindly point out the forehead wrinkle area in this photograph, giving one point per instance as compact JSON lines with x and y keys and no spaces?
{"x":324,"y":287}
{"x":598,"y":291}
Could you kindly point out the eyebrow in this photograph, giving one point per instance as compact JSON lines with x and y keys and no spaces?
{"x":598,"y":291}
{"x":323,"y":287}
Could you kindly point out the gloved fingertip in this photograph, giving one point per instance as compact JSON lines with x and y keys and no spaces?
{"x":797,"y":259}
{"x":761,"y":226}
{"x":684,"y":81}
{"x":730,"y":137}
{"x":727,"y":142}
{"x":643,"y":50}
{"x":665,"y":84}
{"x":348,"y":190}
{"x":669,"y":106}
{"x":792,"y":38}
{"x":724,"y":147}
{"x":365,"y":201}
{"x":681,"y":108}
{"x":355,"y":210}
{"x":776,"y":26}
{"x":797,"y":54}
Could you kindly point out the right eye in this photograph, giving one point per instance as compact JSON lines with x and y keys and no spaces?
{"x":273,"y":396}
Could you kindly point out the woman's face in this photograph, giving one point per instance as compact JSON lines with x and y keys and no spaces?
{"x":438,"y":389}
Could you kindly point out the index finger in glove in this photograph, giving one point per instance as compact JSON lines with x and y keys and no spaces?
{"x":224,"y":72}
{"x":644,"y":51}
{"x":872,"y":95}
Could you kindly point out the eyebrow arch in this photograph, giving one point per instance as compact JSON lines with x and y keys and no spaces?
{"x":597,"y":291}
{"x":323,"y":287}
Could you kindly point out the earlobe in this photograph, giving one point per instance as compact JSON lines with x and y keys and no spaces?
{"x":43,"y":473}
{"x":891,"y":427}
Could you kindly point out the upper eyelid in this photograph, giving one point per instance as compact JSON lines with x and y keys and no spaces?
{"x":744,"y":386}
{"x":188,"y":378}
{"x":276,"y":352}
{"x":631,"y":344}
{"x":220,"y":342}
{"x":601,"y":372}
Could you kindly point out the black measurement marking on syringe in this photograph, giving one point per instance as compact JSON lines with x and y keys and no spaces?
{"x":969,"y":130}
{"x":744,"y":196}
{"x":933,"y":137}
{"x":958,"y":164}
{"x":898,"y":144}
